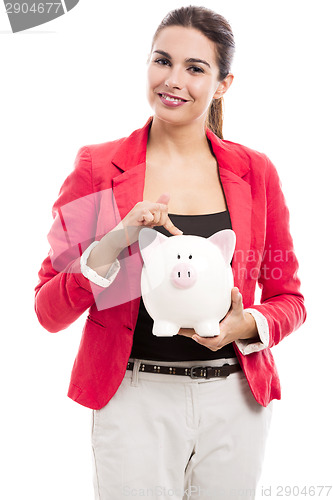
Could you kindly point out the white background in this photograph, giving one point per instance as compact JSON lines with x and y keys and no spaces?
{"x":79,"y":80}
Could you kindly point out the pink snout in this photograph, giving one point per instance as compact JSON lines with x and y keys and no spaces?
{"x":183,"y":275}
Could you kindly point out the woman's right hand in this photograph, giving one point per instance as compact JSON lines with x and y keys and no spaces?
{"x":143,"y":214}
{"x":148,"y":214}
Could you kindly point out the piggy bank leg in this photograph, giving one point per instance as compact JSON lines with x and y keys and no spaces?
{"x":162,"y":328}
{"x":207,"y":328}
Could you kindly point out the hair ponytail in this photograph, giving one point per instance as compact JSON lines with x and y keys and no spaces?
{"x":214,"y":119}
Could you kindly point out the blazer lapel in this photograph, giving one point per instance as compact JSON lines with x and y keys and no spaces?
{"x":239,"y":202}
{"x":128,"y":189}
{"x":233,"y":167}
{"x":130,"y":159}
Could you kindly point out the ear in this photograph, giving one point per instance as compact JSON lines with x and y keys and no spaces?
{"x":226,"y":241}
{"x":149,"y":239}
{"x":223,"y":86}
{"x":219,"y":91}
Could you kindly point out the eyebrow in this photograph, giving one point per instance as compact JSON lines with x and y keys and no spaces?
{"x":189,"y":59}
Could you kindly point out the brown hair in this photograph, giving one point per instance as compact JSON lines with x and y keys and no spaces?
{"x":217,"y":29}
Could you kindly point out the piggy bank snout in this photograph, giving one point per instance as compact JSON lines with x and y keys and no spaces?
{"x":183,"y":275}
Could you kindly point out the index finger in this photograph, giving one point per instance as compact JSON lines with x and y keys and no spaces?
{"x":169,"y":226}
{"x":158,"y":207}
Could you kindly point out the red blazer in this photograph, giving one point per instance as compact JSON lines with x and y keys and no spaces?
{"x":107,"y":181}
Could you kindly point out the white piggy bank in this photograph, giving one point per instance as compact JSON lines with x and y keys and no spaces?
{"x":186,"y":280}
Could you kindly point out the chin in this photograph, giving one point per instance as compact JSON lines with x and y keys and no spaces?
{"x":178,"y":118}
{"x":167,"y":117}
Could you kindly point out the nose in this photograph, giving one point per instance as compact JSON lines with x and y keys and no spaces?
{"x":174,"y":78}
{"x":183,"y":275}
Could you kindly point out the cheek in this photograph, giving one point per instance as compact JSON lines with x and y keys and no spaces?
{"x":153,"y":77}
{"x":151,"y":84}
{"x":200,"y":90}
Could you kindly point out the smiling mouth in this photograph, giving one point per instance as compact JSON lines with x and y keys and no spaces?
{"x":172,"y":99}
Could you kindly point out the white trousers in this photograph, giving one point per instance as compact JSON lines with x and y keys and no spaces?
{"x":173,"y":437}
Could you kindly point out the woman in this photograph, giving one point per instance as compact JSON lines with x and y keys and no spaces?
{"x":159,"y":428}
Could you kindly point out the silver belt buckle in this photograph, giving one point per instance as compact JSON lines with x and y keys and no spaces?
{"x":203,"y":371}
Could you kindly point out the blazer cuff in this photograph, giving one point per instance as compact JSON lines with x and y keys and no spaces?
{"x":92,"y":275}
{"x":247,"y":346}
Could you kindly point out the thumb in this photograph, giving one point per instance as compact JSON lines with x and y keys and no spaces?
{"x":164,"y":198}
{"x":236,"y":299}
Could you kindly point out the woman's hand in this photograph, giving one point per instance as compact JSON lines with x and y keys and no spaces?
{"x":143,"y":214}
{"x":147,"y":214}
{"x":236,"y":325}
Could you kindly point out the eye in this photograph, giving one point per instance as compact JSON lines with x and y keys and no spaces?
{"x":162,"y":60}
{"x":190,"y":256}
{"x":178,"y":256}
{"x":197,"y":69}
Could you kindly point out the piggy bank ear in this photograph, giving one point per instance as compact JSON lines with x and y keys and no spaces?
{"x":149,"y":239}
{"x":226,"y":241}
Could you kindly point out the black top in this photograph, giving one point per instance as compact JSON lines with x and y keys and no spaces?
{"x":179,"y":348}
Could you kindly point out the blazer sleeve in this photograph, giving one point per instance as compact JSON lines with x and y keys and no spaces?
{"x":281,"y":303}
{"x":63,"y":293}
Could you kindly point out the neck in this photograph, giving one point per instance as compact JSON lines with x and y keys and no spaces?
{"x":178,"y":142}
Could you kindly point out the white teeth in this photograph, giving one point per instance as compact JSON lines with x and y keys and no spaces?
{"x":171,"y":98}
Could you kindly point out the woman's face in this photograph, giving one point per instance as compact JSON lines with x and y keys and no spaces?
{"x":171,"y":71}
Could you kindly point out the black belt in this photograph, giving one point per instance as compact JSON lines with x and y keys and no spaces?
{"x":191,"y":371}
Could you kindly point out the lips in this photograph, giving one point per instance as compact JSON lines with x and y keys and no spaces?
{"x":172,"y":95}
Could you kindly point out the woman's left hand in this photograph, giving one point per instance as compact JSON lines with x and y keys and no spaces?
{"x":236,"y":325}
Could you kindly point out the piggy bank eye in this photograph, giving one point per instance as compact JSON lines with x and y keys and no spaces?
{"x":190,"y":257}
{"x":178,"y":256}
